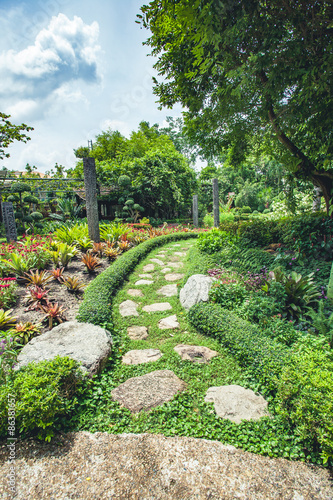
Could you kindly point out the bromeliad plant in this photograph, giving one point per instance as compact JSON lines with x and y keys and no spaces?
{"x":91,"y":262}
{"x":6,"y":320}
{"x":73,"y":284}
{"x":8,"y":288}
{"x":36,"y":298}
{"x":54,"y":313}
{"x":23,"y":332}
{"x":58,"y":274}
{"x":37,"y":278}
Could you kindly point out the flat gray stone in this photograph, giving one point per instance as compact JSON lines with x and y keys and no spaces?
{"x":148,"y":391}
{"x":128,"y":308}
{"x":236,"y":403}
{"x":181,"y":254}
{"x":148,"y":268}
{"x":137,"y":332}
{"x":168,"y":290}
{"x":175,"y":265}
{"x":195,"y":353}
{"x":139,"y":356}
{"x":158,"y":307}
{"x":86,"y":343}
{"x":174,"y":258}
{"x":143,"y":282}
{"x":177,"y":245}
{"x":134,"y":293}
{"x":174,"y":276}
{"x":196,"y":290}
{"x":146,"y":275}
{"x":158,"y":261}
{"x":169,"y":323}
{"x":166,"y":270}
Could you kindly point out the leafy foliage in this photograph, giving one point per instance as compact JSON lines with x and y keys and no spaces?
{"x":10,"y":133}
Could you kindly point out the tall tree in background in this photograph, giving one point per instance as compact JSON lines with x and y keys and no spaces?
{"x":250,"y":69}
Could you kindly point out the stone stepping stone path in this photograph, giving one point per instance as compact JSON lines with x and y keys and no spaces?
{"x":195,"y":353}
{"x":134,"y":292}
{"x":181,"y":254}
{"x":143,"y":282}
{"x":148,"y":391}
{"x":175,"y":265}
{"x":137,"y":332}
{"x":169,"y":323}
{"x":148,"y":268}
{"x":157,"y":307}
{"x":166,"y":270}
{"x":168,"y":291}
{"x":138,"y":356}
{"x":236,"y":403}
{"x":174,"y":276}
{"x":128,"y":308}
{"x":158,"y":261}
{"x":145,"y":275}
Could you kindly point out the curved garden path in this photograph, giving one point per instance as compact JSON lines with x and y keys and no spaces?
{"x":83,"y":465}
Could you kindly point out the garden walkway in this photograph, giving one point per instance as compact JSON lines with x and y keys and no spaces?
{"x":83,"y":465}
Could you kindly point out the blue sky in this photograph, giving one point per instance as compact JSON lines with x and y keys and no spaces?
{"x":71,"y":69}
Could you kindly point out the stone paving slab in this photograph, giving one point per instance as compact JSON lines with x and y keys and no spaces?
{"x":137,"y":332}
{"x":134,"y":293}
{"x":168,"y":290}
{"x":145,"y":275}
{"x":128,"y":308}
{"x":148,"y":268}
{"x":174,"y":276}
{"x":139,"y":356}
{"x":181,"y":254}
{"x":175,"y":265}
{"x":148,"y":391}
{"x":158,"y":261}
{"x":143,"y":282}
{"x":195,"y":353}
{"x":166,"y":270}
{"x":169,"y":323}
{"x":157,"y":307}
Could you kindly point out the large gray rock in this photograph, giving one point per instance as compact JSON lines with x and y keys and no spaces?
{"x":89,"y":344}
{"x":147,"y":391}
{"x":196,"y":290}
{"x":236,"y":403}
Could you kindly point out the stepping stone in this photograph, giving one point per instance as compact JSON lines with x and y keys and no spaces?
{"x":88,"y":344}
{"x":137,"y":332}
{"x":168,"y":290}
{"x":148,"y":391}
{"x":195,"y":353}
{"x":184,"y":249}
{"x":143,"y":282}
{"x":174,"y":258}
{"x":145,"y":275}
{"x":236,"y":403}
{"x":169,"y":323}
{"x":158,"y":307}
{"x":134,"y":293}
{"x":128,"y":308}
{"x":175,"y":265}
{"x":139,"y":356}
{"x":148,"y":268}
{"x":174,"y":276}
{"x":181,"y":254}
{"x":158,"y":261}
{"x":176,"y":245}
{"x":166,"y":270}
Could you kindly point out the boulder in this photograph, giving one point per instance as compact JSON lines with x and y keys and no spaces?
{"x":196,"y":290}
{"x":138,"y":356}
{"x":147,"y":391}
{"x":236,"y":403}
{"x":89,"y":344}
{"x":195,"y":353}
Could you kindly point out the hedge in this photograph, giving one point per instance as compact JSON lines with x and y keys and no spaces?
{"x":263,"y":357}
{"x":96,"y":307}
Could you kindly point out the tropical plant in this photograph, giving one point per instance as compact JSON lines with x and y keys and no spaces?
{"x":6,"y":320}
{"x":111,"y":253}
{"x":8,"y":355}
{"x":24,"y":332}
{"x":73,"y":284}
{"x":124,"y":245}
{"x":63,"y":255}
{"x":58,"y":274}
{"x":68,"y":208}
{"x":54,"y":313}
{"x":37,"y":278}
{"x":36,"y":297}
{"x":113,"y":232}
{"x":321,"y":324}
{"x":97,"y":249}
{"x":91,"y":262}
{"x":8,"y":289}
{"x":84,"y":243}
{"x":18,"y":263}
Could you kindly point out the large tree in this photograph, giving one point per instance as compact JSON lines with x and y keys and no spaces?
{"x":10,"y":133}
{"x":250,"y":70}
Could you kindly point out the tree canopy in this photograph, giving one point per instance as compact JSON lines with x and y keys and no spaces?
{"x":250,"y":71}
{"x":10,"y":133}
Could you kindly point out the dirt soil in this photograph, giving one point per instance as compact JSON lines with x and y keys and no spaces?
{"x":58,"y":293}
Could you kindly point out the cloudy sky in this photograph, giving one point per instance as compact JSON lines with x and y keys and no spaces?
{"x":70,"y":69}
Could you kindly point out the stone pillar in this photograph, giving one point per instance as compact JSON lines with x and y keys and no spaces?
{"x":9,"y":220}
{"x":90,"y":186}
{"x":195,"y":211}
{"x":216,"y":206}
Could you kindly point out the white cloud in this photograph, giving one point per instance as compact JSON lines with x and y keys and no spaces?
{"x":64,"y":52}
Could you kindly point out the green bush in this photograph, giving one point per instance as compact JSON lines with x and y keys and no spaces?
{"x":96,"y":307}
{"x":229,"y":295}
{"x":264,"y":358}
{"x":43,"y":394}
{"x":305,"y":395}
{"x":258,"y":309}
{"x":281,"y":330}
{"x":214,"y":240}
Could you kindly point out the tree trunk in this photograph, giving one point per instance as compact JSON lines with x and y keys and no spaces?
{"x":316,"y":199}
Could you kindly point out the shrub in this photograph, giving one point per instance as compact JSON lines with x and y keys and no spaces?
{"x":281,"y":330}
{"x":43,"y":393}
{"x":264,"y":358}
{"x":96,"y":306}
{"x":214,"y":240}
{"x":258,"y":309}
{"x":229,"y":295}
{"x":305,"y":395}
